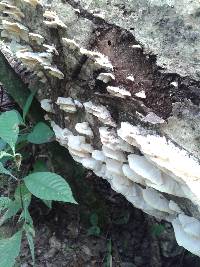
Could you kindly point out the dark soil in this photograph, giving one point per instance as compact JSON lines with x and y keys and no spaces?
{"x":129,"y":238}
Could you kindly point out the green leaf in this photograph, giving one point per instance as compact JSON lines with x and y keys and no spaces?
{"x":94,"y":219}
{"x":4,"y":203}
{"x":4,"y":170}
{"x":13,"y":209}
{"x":28,"y":104}
{"x":9,"y":127}
{"x":41,"y":133}
{"x":49,"y":186}
{"x":157,"y":229}
{"x":94,"y":230}
{"x":2,"y":144}
{"x":9,"y":249}
{"x":48,"y":203}
{"x":29,"y":235}
{"x":23,"y":194}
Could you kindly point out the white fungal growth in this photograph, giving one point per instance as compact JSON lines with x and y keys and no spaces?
{"x":11,"y":10}
{"x":54,"y":71}
{"x":136,"y":46}
{"x":33,"y":3}
{"x":156,"y":200}
{"x":152,"y":118}
{"x":84,"y":128}
{"x":99,"y":60}
{"x":187,"y":233}
{"x":106,"y":77}
{"x":114,"y":166}
{"x":14,"y":30}
{"x":144,"y":168}
{"x":141,"y":94}
{"x":52,"y":20}
{"x":118,"y":91}
{"x":61,"y":134}
{"x":98,"y":155}
{"x":114,"y":154}
{"x":47,"y":105}
{"x":70,"y":43}
{"x":67,"y":104}
{"x":130,"y":78}
{"x":133,"y":176}
{"x":39,"y":39}
{"x":100,"y":112}
{"x":34,"y":60}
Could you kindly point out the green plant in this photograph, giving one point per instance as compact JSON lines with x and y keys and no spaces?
{"x":94,"y":229}
{"x":45,"y":185}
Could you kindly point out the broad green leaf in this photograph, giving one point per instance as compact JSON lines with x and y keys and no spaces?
{"x":2,"y":144}
{"x":13,"y":209}
{"x":48,"y":203}
{"x":9,"y":249}
{"x":4,"y":203}
{"x":49,"y":186}
{"x":23,"y":194}
{"x":30,"y":243}
{"x":28,"y":104}
{"x":41,"y":133}
{"x":9,"y":127}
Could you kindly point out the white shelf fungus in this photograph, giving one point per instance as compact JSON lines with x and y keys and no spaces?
{"x":39,"y":39}
{"x":142,"y":167}
{"x":100,"y":112}
{"x":84,"y":128}
{"x":52,"y":20}
{"x":187,"y":233}
{"x":14,"y":30}
{"x":46,"y":104}
{"x":118,"y":91}
{"x":106,"y":77}
{"x":67,"y":104}
{"x":98,"y":155}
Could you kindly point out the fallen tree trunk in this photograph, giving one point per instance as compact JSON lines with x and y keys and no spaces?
{"x":119,"y":81}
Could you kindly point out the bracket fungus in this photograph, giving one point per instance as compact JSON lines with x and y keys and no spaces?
{"x":118,"y":91}
{"x":106,"y":77}
{"x":52,"y":20}
{"x":67,"y":104}
{"x":46,"y":104}
{"x":84,"y":128}
{"x":14,"y":30}
{"x":100,"y":112}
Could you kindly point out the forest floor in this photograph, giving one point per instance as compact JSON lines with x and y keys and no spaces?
{"x":65,"y":236}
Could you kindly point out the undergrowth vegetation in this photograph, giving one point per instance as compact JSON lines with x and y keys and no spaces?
{"x":22,"y":184}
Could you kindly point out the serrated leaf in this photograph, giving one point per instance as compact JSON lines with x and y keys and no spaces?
{"x":41,"y":134}
{"x":9,"y":249}
{"x":4,"y":203}
{"x":28,"y":104}
{"x":9,"y":127}
{"x":49,"y":186}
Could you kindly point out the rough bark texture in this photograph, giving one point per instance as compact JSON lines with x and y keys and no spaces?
{"x":148,"y":117}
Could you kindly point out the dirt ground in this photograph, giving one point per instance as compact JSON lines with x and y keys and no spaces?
{"x":129,"y":238}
